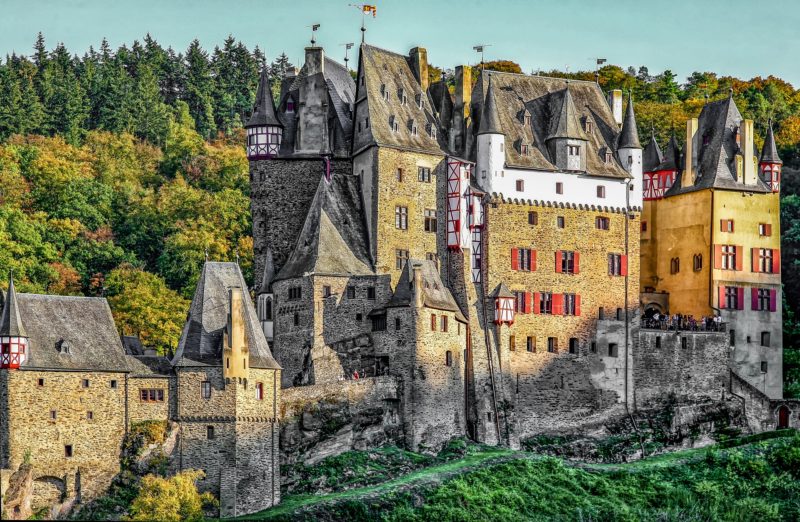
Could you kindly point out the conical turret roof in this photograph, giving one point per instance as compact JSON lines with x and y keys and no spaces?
{"x":269,"y":273}
{"x":566,"y":123}
{"x":672,"y":158}
{"x":652,"y":156}
{"x":769,"y":154}
{"x":264,"y":110}
{"x":11,"y":322}
{"x":490,"y":119}
{"x":629,"y":136}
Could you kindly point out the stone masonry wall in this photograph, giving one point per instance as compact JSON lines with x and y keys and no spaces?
{"x":140,"y":410}
{"x":665,"y":367}
{"x":89,"y":419}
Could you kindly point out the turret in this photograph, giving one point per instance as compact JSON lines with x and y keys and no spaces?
{"x":770,"y":163}
{"x":503,"y":305}
{"x":491,"y":142}
{"x":567,"y":142}
{"x":629,"y":152}
{"x":13,"y":339}
{"x":235,"y":352}
{"x":264,"y":129}
{"x":265,"y":299}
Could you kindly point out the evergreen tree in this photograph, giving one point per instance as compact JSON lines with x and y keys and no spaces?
{"x":149,"y":114}
{"x":199,"y":89}
{"x":277,"y":70}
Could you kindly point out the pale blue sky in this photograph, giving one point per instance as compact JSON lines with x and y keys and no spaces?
{"x":734,"y":37}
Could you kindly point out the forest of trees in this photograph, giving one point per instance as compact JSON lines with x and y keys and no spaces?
{"x":121,"y":170}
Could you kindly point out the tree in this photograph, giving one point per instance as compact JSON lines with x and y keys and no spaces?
{"x":149,"y":114}
{"x":173,"y":499}
{"x":143,"y":305}
{"x":199,"y":88}
{"x":277,"y":70}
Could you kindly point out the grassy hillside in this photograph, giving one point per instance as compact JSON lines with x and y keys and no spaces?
{"x":756,"y":480}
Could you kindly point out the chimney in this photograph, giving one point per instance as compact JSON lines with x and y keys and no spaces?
{"x":690,"y":154}
{"x":463,"y":91}
{"x":418,"y":290}
{"x":615,"y":102}
{"x":749,"y":172}
{"x":291,"y":72}
{"x":234,"y":350}
{"x":419,"y":64}
{"x":315,"y":60}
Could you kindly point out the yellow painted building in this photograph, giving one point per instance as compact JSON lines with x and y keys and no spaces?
{"x":711,"y":238}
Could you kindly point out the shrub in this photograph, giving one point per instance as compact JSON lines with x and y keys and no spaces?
{"x":171,"y":499}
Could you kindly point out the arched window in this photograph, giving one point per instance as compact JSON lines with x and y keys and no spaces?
{"x":259,"y":391}
{"x":268,"y":310}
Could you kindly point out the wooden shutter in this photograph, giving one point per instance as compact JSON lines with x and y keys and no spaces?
{"x":740,"y":298}
{"x":776,"y":261}
{"x":722,"y":301}
{"x":577,"y":259}
{"x":558,"y":261}
{"x":768,"y":229}
{"x":623,"y":265}
{"x":773,"y":300}
{"x":754,"y":265}
{"x":527,"y":303}
{"x":577,"y":304}
{"x":536,"y":302}
{"x":514,"y":259}
{"x":717,"y":256}
{"x":739,"y":257}
{"x":533,"y":260}
{"x":558,"y":304}
{"x":754,"y":298}
{"x":722,"y":225}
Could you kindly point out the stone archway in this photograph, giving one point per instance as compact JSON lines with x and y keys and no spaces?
{"x":783,"y":417}
{"x":47,"y":491}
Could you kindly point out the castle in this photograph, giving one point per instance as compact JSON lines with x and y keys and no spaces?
{"x":483,"y":263}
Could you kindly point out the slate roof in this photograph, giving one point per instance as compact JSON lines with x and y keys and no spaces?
{"x":392,"y":71}
{"x":490,"y":121}
{"x":769,"y":153}
{"x":716,"y":159}
{"x":269,"y":273}
{"x":501,"y":291}
{"x":435,"y":294}
{"x":672,"y":158}
{"x":71,"y":333}
{"x":264,"y":110}
{"x":333,"y":240}
{"x":651,"y":156}
{"x":629,"y":135}
{"x":553,"y":113}
{"x":10,"y":322}
{"x":201,"y":340}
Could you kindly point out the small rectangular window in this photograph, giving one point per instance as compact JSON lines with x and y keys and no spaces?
{"x":370,"y":292}
{"x":326,"y":291}
{"x":573,"y":345}
{"x":684,"y":342}
{"x":764,"y":338}
{"x":40,"y":382}
{"x":764,"y":229}
{"x":448,"y":358}
{"x":89,"y":415}
{"x":658,"y":341}
{"x":560,"y":223}
{"x":444,"y":323}
{"x":397,"y":323}
{"x":644,"y":226}
{"x":379,"y":323}
{"x":619,"y":314}
{"x":552,"y":344}
{"x":594,"y":347}
{"x":401,"y":258}
{"x":530,"y":344}
{"x":85,"y":383}
{"x":763,"y":366}
{"x":601,"y":191}
{"x":512,"y":343}
{"x":602,"y":223}
{"x":732,"y":337}
{"x":53,"y":415}
{"x":520,"y":185}
{"x":210,"y":432}
{"x":433,"y":322}
{"x":533,"y":218}
{"x":559,"y":187}
{"x":113,"y":383}
{"x":205,"y":389}
{"x":68,"y":450}
{"x":401,"y":218}
{"x":424,"y":174}
{"x":430,"y":220}
{"x":613,"y":350}
{"x":726,"y":225}
{"x":351,"y":292}
{"x":399,"y":175}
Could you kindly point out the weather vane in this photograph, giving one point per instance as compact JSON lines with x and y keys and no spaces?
{"x":314,"y":28}
{"x":365,"y":9}
{"x":347,"y":47}
{"x":480,"y":48}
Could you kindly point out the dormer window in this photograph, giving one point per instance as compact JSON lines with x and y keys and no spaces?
{"x":384,"y":92}
{"x":289,"y":104}
{"x":523,"y":149}
{"x":573,"y":150}
{"x":527,"y":119}
{"x":393,"y":125}
{"x":608,"y":156}
{"x":588,"y":125}
{"x":420,"y":101}
{"x":413,"y":127}
{"x":401,"y":93}
{"x":432,"y":131}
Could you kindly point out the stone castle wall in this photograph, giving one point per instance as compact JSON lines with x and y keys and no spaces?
{"x":141,"y":410}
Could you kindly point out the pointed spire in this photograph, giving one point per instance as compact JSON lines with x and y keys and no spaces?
{"x":269,"y":273}
{"x":672,"y":156}
{"x":652,"y":156}
{"x":11,"y":322}
{"x":769,"y":154}
{"x":629,"y":135}
{"x":566,"y":123}
{"x":264,"y":110}
{"x":490,"y":120}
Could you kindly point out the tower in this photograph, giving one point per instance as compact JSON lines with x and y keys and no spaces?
{"x":629,"y":152}
{"x":566,"y":141}
{"x":264,"y":130}
{"x":13,"y":339}
{"x":770,"y":163}
{"x":266,"y":299}
{"x":491,"y":155}
{"x":235,"y":351}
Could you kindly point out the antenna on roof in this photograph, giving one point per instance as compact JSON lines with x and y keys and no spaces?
{"x":480,"y":48}
{"x":347,"y":47}
{"x":314,"y":28}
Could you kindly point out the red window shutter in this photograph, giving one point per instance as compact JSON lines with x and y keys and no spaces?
{"x":558,"y":304}
{"x":768,"y":230}
{"x":577,"y":304}
{"x":536,"y":302}
{"x":739,"y":257}
{"x":533,"y":260}
{"x":558,"y":261}
{"x":776,"y":261}
{"x":732,"y":225}
{"x":754,"y":298}
{"x":577,"y":262}
{"x":718,"y":256}
{"x":623,"y":265}
{"x":754,"y":265}
{"x":514,"y":259}
{"x":740,"y":298}
{"x":722,"y":225}
{"x":773,"y":300}
{"x":527,"y":304}
{"x":722,"y":302}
